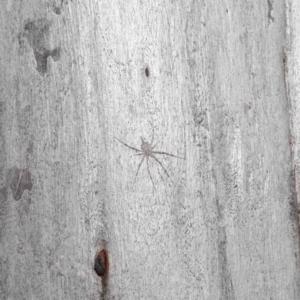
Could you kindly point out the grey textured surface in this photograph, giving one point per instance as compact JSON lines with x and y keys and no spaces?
{"x":292,"y":63}
{"x":216,"y":91}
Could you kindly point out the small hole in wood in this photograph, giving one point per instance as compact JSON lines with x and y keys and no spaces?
{"x":101,"y":263}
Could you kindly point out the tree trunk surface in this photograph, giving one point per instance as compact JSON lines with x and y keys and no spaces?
{"x":88,"y":88}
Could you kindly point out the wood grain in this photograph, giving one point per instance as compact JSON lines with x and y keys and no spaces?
{"x":210,"y":80}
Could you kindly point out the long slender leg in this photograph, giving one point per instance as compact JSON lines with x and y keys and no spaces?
{"x":128,"y":145}
{"x":160,"y":174}
{"x":152,"y":136}
{"x":137,"y":172}
{"x":165,"y":153}
{"x":152,"y":147}
{"x":162,"y":166}
{"x":150,"y":173}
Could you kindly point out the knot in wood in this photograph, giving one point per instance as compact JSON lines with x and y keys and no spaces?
{"x":101,"y":264}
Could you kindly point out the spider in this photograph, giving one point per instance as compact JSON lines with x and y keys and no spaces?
{"x":147,"y":151}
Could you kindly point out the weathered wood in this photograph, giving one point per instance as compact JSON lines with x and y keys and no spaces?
{"x":210,"y":80}
{"x":291,"y":63}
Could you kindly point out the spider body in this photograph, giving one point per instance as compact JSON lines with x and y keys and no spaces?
{"x":146,"y":148}
{"x":147,"y":151}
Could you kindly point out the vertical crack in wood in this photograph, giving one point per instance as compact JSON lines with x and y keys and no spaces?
{"x":227,"y":291}
{"x":293,"y":175}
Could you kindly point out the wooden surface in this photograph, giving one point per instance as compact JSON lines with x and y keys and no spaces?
{"x":218,"y":91}
{"x":292,"y":64}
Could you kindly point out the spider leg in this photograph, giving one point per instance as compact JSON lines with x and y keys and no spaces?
{"x":128,"y":145}
{"x":152,"y":147}
{"x":137,"y":172}
{"x":161,"y":166}
{"x":160,"y":174}
{"x":152,"y":136}
{"x":165,"y":153}
{"x":149,"y":172}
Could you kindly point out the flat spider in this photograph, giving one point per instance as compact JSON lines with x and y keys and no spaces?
{"x":147,"y":151}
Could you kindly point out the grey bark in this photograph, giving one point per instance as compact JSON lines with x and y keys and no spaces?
{"x":216,"y":82}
